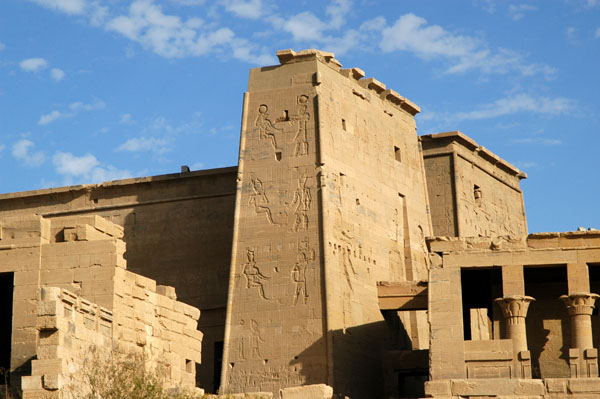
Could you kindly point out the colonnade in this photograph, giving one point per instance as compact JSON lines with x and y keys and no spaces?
{"x":583,"y":357}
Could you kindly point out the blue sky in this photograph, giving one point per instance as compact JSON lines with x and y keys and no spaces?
{"x":96,"y":90}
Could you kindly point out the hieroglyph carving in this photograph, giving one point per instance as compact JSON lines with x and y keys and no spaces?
{"x":301,"y":204}
{"x":265,"y":127}
{"x":259,"y":199}
{"x":255,"y":340}
{"x":254,"y":278}
{"x":302,"y":117}
{"x":305,"y":255}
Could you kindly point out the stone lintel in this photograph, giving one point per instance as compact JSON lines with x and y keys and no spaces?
{"x":406,"y":295}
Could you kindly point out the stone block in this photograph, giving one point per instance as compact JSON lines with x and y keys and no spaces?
{"x":317,"y":391}
{"x":31,"y":383}
{"x":584,"y":385}
{"x":556,"y":385}
{"x":529,"y":387}
{"x":437,"y":388}
{"x":52,"y":382}
{"x":167,"y":291}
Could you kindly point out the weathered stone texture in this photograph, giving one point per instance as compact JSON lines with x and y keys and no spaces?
{"x":184,"y":219}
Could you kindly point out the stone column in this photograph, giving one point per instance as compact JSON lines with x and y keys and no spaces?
{"x":580,"y":306}
{"x":514,"y":308}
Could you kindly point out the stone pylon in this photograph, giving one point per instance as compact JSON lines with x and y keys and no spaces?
{"x":331,"y":198}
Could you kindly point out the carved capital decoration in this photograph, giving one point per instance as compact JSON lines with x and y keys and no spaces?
{"x":580,"y":303}
{"x":514,"y":307}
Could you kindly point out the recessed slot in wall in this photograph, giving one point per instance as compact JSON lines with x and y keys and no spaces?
{"x":344,"y":124}
{"x":189,"y":365}
{"x":477,"y":194}
{"x":397,"y":154}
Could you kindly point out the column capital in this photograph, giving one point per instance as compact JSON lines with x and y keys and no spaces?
{"x":514,"y":306}
{"x":580,"y":303}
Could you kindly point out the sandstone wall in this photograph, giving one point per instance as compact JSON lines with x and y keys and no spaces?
{"x":472,"y":192}
{"x":78,"y":337}
{"x":375,"y":218}
{"x":275,"y":335}
{"x":84,"y":255}
{"x":331,"y":200}
{"x":178,"y":230}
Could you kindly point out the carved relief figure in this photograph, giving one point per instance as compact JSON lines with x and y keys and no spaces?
{"x":265,"y":127}
{"x":255,"y":340}
{"x":301,"y":204}
{"x":302,"y":117}
{"x":254,"y":278}
{"x":259,"y":199}
{"x":305,"y":255}
{"x":344,"y":235}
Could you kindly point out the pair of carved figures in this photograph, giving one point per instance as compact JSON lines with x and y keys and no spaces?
{"x":268,"y":130}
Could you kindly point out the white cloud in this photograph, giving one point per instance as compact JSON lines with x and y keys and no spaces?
{"x":85,"y":168}
{"x":509,"y":105}
{"x":517,"y":11}
{"x":2,"y":46}
{"x":22,"y":151}
{"x":598,"y":33}
{"x":33,"y":64}
{"x":67,"y":6}
{"x":463,"y":53}
{"x":537,"y":140}
{"x":251,"y":9}
{"x":79,"y":106}
{"x":125,"y":119}
{"x":74,"y":109}
{"x":305,"y":26}
{"x":2,"y":147}
{"x":69,"y":164}
{"x":171,"y":37}
{"x":50,"y":117}
{"x":520,"y":103}
{"x":337,"y":12}
{"x":57,"y":74}
{"x":138,"y":144}
{"x":188,"y":2}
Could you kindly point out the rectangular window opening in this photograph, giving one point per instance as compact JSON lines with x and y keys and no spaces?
{"x":344,"y":124}
{"x":397,"y":154}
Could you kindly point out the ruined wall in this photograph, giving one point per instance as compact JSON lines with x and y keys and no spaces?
{"x":178,"y":230}
{"x":68,"y":327}
{"x":85,"y":254}
{"x":77,"y":337}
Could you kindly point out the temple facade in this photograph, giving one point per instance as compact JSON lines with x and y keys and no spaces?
{"x":344,"y":250}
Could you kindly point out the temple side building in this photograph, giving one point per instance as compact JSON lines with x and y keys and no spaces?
{"x":343,"y":250}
